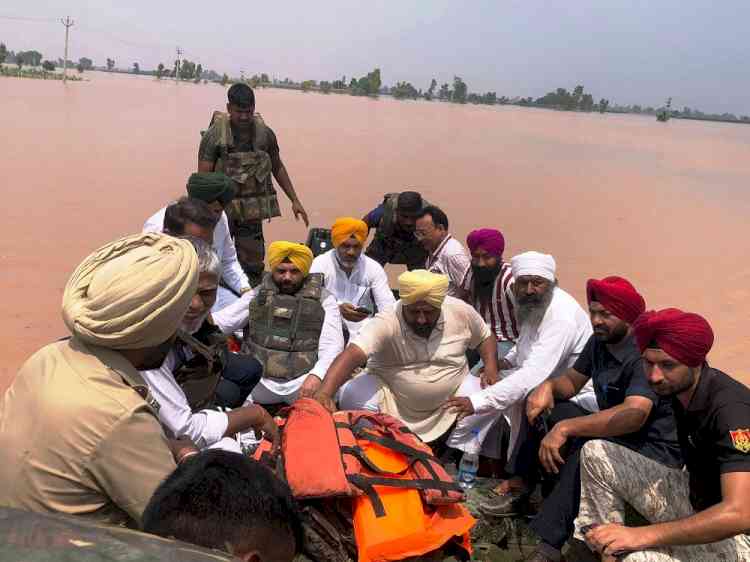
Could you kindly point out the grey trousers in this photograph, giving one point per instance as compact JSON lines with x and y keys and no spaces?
{"x":613,"y":475}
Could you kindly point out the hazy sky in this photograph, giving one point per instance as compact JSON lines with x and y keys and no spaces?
{"x":628,"y":51}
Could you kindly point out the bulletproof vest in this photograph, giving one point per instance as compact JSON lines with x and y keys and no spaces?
{"x":410,"y":251}
{"x":199,"y":376}
{"x":284,"y":330}
{"x":255,"y":197}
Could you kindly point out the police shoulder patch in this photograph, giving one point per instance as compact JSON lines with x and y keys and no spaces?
{"x":741,"y":439}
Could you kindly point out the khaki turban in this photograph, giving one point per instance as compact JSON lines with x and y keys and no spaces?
{"x":299,"y":254}
{"x":422,"y":285}
{"x":131,"y":293}
{"x":346,"y":227}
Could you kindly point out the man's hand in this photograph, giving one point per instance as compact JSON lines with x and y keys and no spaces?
{"x":310,"y":386}
{"x":268,"y":428}
{"x":486,"y":380}
{"x":299,"y":211}
{"x":182,"y":448}
{"x":540,"y":400}
{"x":350,"y":312}
{"x":459,"y":405}
{"x":612,"y":539}
{"x":326,"y":401}
{"x":549,"y":450}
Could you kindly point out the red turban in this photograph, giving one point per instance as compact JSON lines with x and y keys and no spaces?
{"x":616,"y":295}
{"x":489,"y":239}
{"x":685,"y":336}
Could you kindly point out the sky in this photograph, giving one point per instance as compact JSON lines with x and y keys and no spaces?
{"x":695,"y":51}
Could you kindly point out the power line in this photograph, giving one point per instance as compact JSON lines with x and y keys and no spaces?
{"x":68,"y":23}
{"x":21,"y":18}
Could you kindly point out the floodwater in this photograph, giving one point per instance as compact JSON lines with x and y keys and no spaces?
{"x":664,"y":205}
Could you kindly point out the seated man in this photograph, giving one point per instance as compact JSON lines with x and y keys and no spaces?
{"x":416,"y":358}
{"x":359,"y":283}
{"x":630,"y":414}
{"x":394,"y":223}
{"x":217,"y":191}
{"x":295,"y":326}
{"x":446,"y":255}
{"x":701,"y":513}
{"x":200,"y":372}
{"x":228,"y":502}
{"x":79,"y":433}
{"x":554,"y":330}
{"x":489,"y":286}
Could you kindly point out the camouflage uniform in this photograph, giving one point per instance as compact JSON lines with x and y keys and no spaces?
{"x":251,"y":165}
{"x":199,"y":376}
{"x":613,"y":476}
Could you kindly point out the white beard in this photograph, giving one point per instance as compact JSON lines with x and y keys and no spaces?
{"x":194,"y":325}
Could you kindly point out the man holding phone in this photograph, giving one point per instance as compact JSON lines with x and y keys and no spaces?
{"x":358,"y":282}
{"x":631,"y":414}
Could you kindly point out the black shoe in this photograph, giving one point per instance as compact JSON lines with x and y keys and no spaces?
{"x":509,"y":504}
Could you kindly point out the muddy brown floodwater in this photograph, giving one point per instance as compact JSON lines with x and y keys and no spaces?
{"x":665,"y":205}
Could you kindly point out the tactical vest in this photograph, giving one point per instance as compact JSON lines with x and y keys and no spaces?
{"x":409,"y":252}
{"x":255,"y":197}
{"x":199,"y":376}
{"x":284,"y":330}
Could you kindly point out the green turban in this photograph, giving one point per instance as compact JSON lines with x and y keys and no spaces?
{"x":210,"y":187}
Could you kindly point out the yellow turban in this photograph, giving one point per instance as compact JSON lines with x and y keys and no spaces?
{"x":346,"y":227}
{"x":131,"y":293}
{"x":422,"y":285}
{"x":299,"y":254}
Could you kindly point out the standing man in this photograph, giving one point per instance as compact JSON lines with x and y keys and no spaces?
{"x":79,"y":432}
{"x":240,"y":144}
{"x":359,"y":283}
{"x":701,"y":513}
{"x":446,"y":255}
{"x":394,"y":223}
{"x":489,"y":286}
{"x":295,"y":326}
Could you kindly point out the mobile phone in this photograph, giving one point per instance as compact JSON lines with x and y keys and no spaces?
{"x":363,"y":310}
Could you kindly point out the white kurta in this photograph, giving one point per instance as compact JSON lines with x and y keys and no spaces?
{"x":366,"y":286}
{"x":330,"y":344}
{"x":543,"y":351}
{"x":223,"y":245}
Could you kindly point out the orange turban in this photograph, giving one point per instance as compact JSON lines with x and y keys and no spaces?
{"x":346,"y":227}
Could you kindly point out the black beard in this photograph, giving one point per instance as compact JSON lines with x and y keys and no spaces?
{"x":484,"y":281}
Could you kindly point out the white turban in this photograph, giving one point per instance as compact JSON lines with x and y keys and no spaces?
{"x":533,"y":263}
{"x":131,"y":293}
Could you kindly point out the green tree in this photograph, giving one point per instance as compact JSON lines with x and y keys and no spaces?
{"x":575,"y":101}
{"x":264,"y":79}
{"x":587,"y":103}
{"x":459,"y":90}
{"x":307,"y":85}
{"x":160,"y":71}
{"x":198,"y":73}
{"x":404,"y":90}
{"x":445,"y":92}
{"x":48,"y":65}
{"x":19,"y":62}
{"x":30,"y":58}
{"x":86,"y":63}
{"x":186,"y":70}
{"x":136,"y":68}
{"x":603,"y":105}
{"x":3,"y":53}
{"x":110,"y":64}
{"x":325,"y":87}
{"x":431,"y":90}
{"x":224,"y":79}
{"x":80,"y":68}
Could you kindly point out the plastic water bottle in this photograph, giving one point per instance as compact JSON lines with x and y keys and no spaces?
{"x":469,"y":465}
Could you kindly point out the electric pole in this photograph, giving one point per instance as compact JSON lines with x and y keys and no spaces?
{"x":177,"y":66}
{"x":68,"y":23}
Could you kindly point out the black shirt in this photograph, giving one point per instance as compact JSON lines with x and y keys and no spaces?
{"x":714,"y":434}
{"x":617,"y":372}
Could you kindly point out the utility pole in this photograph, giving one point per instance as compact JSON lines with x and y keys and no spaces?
{"x":68,"y":23}
{"x":177,"y":68}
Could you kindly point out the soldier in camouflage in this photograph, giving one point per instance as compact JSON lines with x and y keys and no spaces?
{"x":701,"y":513}
{"x":394,"y":221}
{"x":240,"y":144}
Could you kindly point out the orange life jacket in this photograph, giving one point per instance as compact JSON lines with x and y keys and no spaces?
{"x":405,"y":503}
